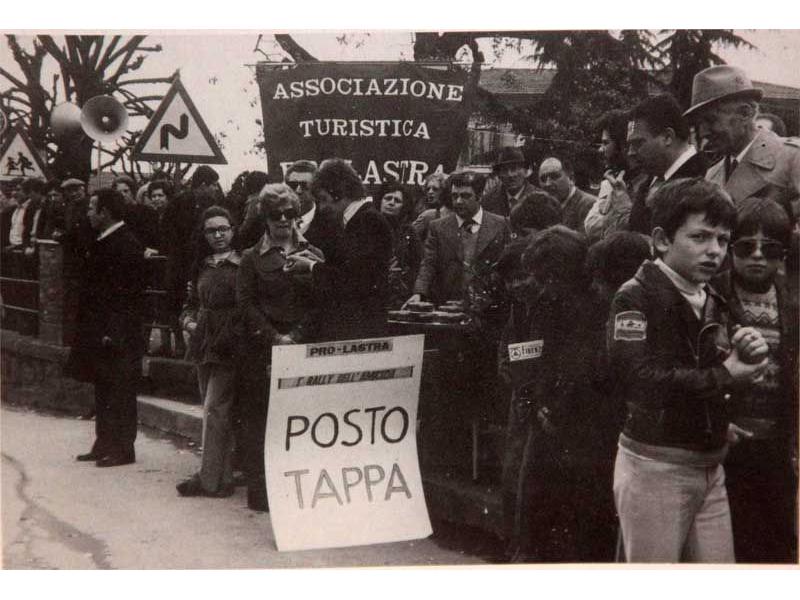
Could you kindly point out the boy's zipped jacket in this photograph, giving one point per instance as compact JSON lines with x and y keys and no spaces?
{"x":667,"y":363}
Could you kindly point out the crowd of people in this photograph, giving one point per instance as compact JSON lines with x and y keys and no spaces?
{"x":652,"y":411}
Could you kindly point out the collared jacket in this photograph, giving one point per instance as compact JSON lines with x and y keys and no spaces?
{"x":441,"y":272}
{"x":352,"y":288}
{"x":211,"y":304}
{"x":111,"y":305}
{"x":667,"y":363}
{"x":769,"y":169}
{"x":274,"y":302}
{"x":575,"y":208}
{"x":496,"y":199}
{"x":562,"y":390}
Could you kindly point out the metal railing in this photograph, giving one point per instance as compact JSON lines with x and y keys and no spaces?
{"x":19,"y":293}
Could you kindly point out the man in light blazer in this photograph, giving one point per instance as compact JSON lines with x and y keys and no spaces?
{"x":756,"y":163}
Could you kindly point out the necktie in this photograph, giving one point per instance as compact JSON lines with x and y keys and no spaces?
{"x":466,"y":226}
{"x":730,"y":166}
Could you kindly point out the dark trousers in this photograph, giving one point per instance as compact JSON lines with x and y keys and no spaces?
{"x":557,"y":505}
{"x":762,"y":492}
{"x":517,"y":430}
{"x":116,"y":379}
{"x":254,"y":400}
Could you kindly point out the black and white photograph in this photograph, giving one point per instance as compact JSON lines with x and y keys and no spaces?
{"x":348,"y":297}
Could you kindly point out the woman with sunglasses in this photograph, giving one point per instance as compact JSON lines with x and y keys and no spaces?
{"x":397,"y":206}
{"x":277,"y":308}
{"x":761,"y":482}
{"x":211,"y":318}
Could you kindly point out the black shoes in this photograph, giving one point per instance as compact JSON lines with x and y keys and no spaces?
{"x":87,"y":457}
{"x":193,"y":487}
{"x":108,"y":458}
{"x":116,"y":460}
{"x":257,"y":499}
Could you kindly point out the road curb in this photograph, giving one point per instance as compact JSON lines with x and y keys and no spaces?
{"x":169,"y":416}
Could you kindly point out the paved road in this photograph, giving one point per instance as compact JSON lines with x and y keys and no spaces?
{"x":61,"y":514}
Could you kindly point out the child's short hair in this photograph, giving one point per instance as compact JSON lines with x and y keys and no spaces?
{"x":616,"y":258}
{"x":676,"y":200}
{"x":754,"y":214}
{"x":557,"y":256}
{"x":538,"y":210}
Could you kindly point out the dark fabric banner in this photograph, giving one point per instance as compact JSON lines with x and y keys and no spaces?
{"x":388,"y":119}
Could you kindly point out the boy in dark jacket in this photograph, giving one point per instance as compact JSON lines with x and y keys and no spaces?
{"x":555,"y":510}
{"x":676,"y":370}
{"x":761,"y":483}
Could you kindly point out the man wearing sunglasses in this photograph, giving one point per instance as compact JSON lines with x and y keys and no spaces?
{"x":314,"y":223}
{"x":353,"y":282}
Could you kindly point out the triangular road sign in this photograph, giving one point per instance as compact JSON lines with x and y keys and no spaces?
{"x":18,"y":158}
{"x":177,"y":133}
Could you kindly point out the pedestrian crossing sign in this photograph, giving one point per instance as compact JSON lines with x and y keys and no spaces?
{"x":19,"y":158}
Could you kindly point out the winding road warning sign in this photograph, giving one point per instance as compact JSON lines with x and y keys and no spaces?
{"x":177,"y":133}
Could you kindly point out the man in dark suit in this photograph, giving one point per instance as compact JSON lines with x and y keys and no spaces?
{"x":461,"y":246}
{"x":756,"y":163}
{"x":317,"y":223}
{"x":353,"y":285}
{"x":109,"y":347}
{"x":658,"y":140}
{"x":557,"y":178}
{"x":511,"y":168}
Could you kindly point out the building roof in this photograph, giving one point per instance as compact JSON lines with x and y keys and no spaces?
{"x":778,"y":92}
{"x":517,"y":81}
{"x":512,"y":82}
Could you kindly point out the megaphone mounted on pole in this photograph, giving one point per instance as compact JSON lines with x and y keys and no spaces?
{"x":104,"y":119}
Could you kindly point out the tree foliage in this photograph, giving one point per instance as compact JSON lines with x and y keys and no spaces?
{"x":685,"y":52}
{"x":595,"y":71}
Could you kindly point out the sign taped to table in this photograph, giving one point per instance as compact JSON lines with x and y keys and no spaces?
{"x":398,"y":120}
{"x":341,"y":453}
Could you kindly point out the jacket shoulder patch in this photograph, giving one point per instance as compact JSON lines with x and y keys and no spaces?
{"x":630,"y":326}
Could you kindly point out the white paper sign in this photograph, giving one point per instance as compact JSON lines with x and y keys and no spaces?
{"x":341,"y":452}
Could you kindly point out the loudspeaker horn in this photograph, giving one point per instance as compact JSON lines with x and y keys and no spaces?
{"x":65,"y":120}
{"x":104,"y":119}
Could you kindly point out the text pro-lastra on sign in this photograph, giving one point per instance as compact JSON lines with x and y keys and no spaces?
{"x":340,"y":453}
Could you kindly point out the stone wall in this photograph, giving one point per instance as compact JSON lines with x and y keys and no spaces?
{"x":32,"y":374}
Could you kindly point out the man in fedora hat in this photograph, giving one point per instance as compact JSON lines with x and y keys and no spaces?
{"x":510,"y":167}
{"x":756,"y":163}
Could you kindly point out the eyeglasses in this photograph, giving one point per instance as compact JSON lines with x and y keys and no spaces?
{"x":551,"y":176}
{"x":288,"y":214}
{"x":221,"y":230}
{"x":770,"y":249}
{"x":298,"y":184}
